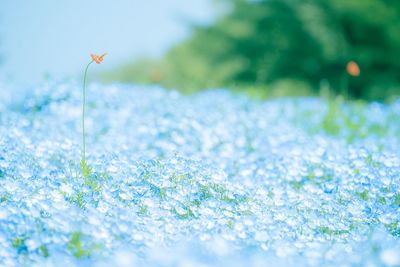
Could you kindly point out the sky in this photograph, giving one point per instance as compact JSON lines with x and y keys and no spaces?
{"x":55,"y":37}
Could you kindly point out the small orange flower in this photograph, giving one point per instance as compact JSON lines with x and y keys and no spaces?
{"x":353,"y":69}
{"x":98,"y":59}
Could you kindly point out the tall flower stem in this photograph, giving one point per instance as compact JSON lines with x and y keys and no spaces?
{"x":83,"y":114}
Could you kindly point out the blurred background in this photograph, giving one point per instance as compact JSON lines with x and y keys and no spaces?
{"x":44,"y":38}
{"x":265,"y":48}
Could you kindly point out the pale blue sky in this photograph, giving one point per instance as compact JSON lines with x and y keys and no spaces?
{"x":57,"y":36}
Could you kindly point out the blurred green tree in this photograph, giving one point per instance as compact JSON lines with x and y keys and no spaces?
{"x":270,"y":43}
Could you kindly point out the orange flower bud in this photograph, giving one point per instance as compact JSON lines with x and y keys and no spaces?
{"x":98,"y":59}
{"x":353,"y":69}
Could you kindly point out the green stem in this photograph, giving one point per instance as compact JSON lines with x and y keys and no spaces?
{"x":83,"y":113}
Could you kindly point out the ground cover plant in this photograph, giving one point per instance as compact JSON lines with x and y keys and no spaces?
{"x":211,"y":179}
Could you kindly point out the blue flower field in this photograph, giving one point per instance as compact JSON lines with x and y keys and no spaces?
{"x":210,"y":179}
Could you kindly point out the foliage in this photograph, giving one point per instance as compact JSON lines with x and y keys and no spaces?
{"x":19,"y":244}
{"x":259,"y":43}
{"x":76,"y":247}
{"x":44,"y":251}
